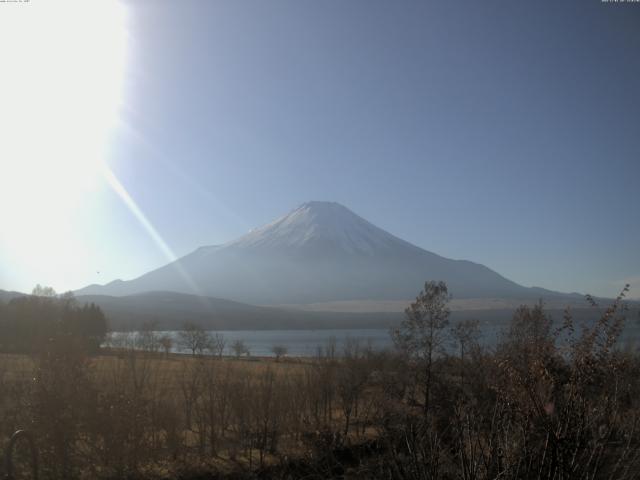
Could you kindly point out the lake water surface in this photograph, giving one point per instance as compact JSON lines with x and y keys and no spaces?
{"x":299,"y":343}
{"x":305,"y":343}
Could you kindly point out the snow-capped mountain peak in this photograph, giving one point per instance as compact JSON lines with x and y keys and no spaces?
{"x":319,"y":252}
{"x":319,"y":223}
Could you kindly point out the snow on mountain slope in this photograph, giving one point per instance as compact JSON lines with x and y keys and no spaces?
{"x":320,"y":222}
{"x":320,"y":252}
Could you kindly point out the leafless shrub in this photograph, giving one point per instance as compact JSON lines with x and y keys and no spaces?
{"x":217,"y":344}
{"x":166,"y":342}
{"x":279,"y":351}
{"x":194,"y":338}
{"x":240,"y":348}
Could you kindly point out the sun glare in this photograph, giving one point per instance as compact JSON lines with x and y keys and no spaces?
{"x":61,"y":89}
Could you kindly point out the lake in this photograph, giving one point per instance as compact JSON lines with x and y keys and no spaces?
{"x":305,"y":343}
{"x":299,"y":343}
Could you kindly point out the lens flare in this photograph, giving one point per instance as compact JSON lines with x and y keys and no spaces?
{"x":62,"y":81}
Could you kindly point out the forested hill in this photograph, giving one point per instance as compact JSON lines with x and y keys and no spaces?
{"x":169,"y":311}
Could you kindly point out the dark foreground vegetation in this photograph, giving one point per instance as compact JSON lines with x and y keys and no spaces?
{"x":28,"y":323}
{"x":546,"y":403}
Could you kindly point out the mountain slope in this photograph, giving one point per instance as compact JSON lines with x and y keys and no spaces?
{"x":319,"y":252}
{"x":5,"y":296}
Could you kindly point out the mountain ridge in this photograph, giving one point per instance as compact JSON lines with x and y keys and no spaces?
{"x":318,"y":252}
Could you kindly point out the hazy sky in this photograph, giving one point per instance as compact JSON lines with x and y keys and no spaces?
{"x":503,"y":132}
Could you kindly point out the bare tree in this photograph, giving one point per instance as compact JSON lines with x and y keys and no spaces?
{"x":147,"y":338}
{"x":465,"y":334}
{"x":217,"y":344}
{"x":279,"y":351}
{"x":351,"y":379}
{"x":193,"y":337}
{"x":166,"y":342}
{"x":421,"y":335}
{"x":239,"y":348}
{"x":43,"y":291}
{"x":528,"y":338}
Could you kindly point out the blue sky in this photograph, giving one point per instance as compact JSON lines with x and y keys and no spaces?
{"x":507,"y":133}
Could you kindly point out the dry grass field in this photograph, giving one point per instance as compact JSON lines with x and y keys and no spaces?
{"x":123,"y":411}
{"x":558,"y":403}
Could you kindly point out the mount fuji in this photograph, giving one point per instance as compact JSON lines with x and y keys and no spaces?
{"x":319,"y":252}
